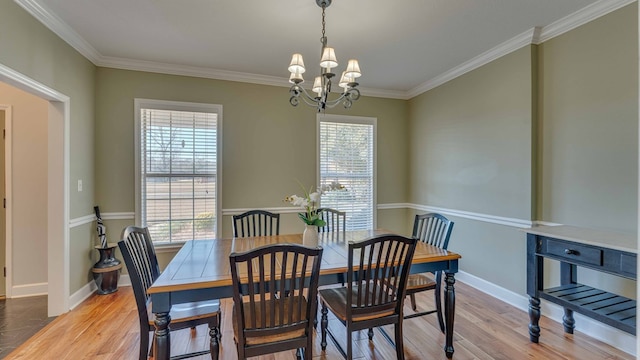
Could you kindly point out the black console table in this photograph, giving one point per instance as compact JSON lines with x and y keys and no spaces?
{"x":611,"y":253}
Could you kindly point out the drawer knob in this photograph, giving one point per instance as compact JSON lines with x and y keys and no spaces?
{"x":570,"y":252}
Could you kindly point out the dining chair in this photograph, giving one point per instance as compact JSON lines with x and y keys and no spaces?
{"x":142,"y":264}
{"x":275,"y":299}
{"x":256,"y":223}
{"x":335,"y":220}
{"x":433,"y":229}
{"x":377,"y":272}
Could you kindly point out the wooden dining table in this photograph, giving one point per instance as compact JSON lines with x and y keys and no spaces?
{"x":200,"y":271}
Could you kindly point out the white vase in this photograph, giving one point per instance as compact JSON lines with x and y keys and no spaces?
{"x":310,"y":235}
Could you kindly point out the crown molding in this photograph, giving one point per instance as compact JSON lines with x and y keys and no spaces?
{"x":209,"y":73}
{"x":60,"y":28}
{"x":513,"y":44}
{"x":581,"y":17}
{"x":535,"y":35}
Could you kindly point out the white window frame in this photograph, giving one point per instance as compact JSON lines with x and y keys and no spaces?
{"x":177,"y":106}
{"x":352,"y":120}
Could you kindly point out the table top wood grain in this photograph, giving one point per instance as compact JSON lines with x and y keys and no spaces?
{"x":201,"y":264}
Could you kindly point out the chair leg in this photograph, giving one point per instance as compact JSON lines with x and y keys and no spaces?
{"x":399,"y":341}
{"x":324,"y":322}
{"x":413,"y":302}
{"x":349,"y":344}
{"x":438,"y":299}
{"x":214,"y":346}
{"x":370,"y":334}
{"x":308,"y":351}
{"x":144,"y":344}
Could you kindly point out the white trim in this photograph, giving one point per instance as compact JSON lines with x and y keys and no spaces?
{"x":82,"y":294}
{"x":27,"y":290}
{"x":486,"y":57}
{"x":534,"y":35}
{"x":118,"y":216}
{"x":581,"y":17}
{"x":82,"y":220}
{"x":47,"y":17}
{"x":87,"y":219}
{"x":90,"y":288}
{"x":276,"y":210}
{"x":58,"y":238}
{"x":8,"y":186}
{"x":362,"y":120}
{"x":595,"y":329}
{"x":140,"y":103}
{"x":518,"y":223}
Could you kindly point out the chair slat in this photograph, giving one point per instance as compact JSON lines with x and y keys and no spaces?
{"x":433,"y":229}
{"x":286,"y":299}
{"x":256,"y":223}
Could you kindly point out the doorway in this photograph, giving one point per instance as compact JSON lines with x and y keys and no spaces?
{"x":57,"y":197}
{"x":3,"y":285}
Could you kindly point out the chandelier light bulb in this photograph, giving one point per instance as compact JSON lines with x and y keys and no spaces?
{"x":317,"y":86}
{"x":296,"y":78}
{"x":322,"y":84}
{"x":328,"y":59}
{"x":353,"y":69}
{"x":297,"y":64}
{"x":345,"y":80}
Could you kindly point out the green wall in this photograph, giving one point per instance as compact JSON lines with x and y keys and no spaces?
{"x":546,"y":133}
{"x":266,"y":143}
{"x":31,"y":49}
{"x":588,"y":142}
{"x":470,"y":143}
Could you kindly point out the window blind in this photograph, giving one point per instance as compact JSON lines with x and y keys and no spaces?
{"x":346,"y":155}
{"x":178,"y":168}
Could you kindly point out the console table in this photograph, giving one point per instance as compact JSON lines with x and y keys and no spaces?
{"x":608,"y":252}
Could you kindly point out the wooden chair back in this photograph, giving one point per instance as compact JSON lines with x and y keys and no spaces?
{"x":433,"y":229}
{"x":377,"y":276}
{"x":142,"y":264}
{"x":274,"y":294}
{"x":335,"y":220}
{"x":140,"y":258}
{"x":256,"y":223}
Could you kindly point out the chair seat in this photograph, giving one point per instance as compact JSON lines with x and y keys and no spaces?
{"x":420,"y":282}
{"x":336,"y":301}
{"x":262,"y":337}
{"x":191,"y":311}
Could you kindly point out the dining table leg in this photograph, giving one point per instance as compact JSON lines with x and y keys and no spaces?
{"x":449,"y":312}
{"x":162,"y":341}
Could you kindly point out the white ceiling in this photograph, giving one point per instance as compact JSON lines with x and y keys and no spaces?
{"x":404,"y":46}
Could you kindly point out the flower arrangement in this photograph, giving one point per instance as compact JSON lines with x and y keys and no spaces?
{"x":310,"y":202}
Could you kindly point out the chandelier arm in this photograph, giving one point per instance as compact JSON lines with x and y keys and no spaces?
{"x":321,"y":102}
{"x":297,"y":91}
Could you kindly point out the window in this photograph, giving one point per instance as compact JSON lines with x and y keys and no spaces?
{"x":347,"y":155}
{"x":177,"y":162}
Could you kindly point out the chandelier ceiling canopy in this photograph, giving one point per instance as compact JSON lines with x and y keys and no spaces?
{"x":322,"y":83}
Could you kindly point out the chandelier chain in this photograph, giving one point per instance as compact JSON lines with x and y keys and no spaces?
{"x":323,"y":22}
{"x":322,"y":84}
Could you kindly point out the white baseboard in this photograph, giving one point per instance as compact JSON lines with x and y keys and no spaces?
{"x":83,"y":294}
{"x":38,"y":289}
{"x":597,"y":330}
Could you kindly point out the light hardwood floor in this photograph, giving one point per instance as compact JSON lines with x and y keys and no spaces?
{"x":106,"y":327}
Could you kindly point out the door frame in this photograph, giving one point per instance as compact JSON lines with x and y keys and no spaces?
{"x":8,"y":192}
{"x":58,"y":188}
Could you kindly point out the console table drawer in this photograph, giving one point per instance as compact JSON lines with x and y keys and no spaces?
{"x":574,"y":252}
{"x":628,"y":264}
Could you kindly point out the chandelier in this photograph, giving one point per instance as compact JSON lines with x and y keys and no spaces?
{"x":322,"y":84}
